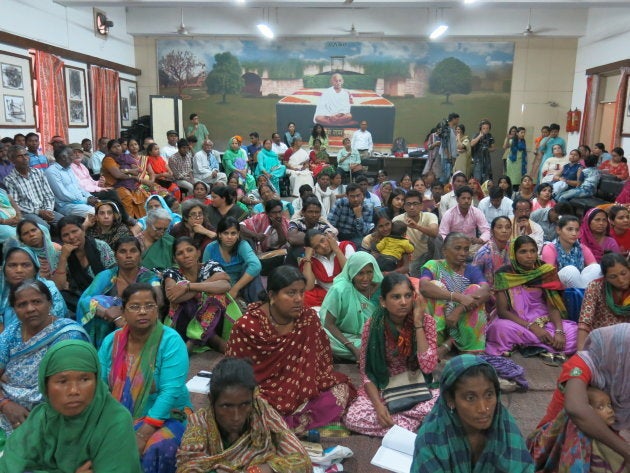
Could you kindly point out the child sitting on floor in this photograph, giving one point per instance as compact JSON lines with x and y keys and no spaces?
{"x":603,"y":457}
{"x":393,"y":247}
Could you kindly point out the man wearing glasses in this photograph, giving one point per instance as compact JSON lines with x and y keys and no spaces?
{"x":421,"y":227}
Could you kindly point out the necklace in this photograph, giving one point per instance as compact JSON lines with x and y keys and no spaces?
{"x":276,"y":322}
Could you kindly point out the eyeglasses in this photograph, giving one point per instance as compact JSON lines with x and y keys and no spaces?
{"x":412,"y":204}
{"x":139,"y":307}
{"x":195,"y":215}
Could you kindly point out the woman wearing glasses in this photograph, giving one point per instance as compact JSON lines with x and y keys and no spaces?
{"x":145,"y":365}
{"x":194,"y":224}
{"x":99,"y":309}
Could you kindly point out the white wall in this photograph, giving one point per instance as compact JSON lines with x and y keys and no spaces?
{"x":606,"y":41}
{"x":69,"y":28}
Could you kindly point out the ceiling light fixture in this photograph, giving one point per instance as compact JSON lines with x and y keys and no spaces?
{"x":439,"y":31}
{"x":265,"y":30}
{"x":468,"y":2}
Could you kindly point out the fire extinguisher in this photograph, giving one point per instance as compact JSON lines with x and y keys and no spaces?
{"x":569,"y":125}
{"x":576,"y":119}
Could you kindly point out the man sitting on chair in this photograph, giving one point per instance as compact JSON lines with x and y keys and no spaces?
{"x":333,"y":108}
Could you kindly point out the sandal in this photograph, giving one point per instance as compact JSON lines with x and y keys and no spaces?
{"x":548,"y":359}
{"x":560,"y":357}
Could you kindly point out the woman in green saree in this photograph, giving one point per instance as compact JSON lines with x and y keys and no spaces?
{"x":349,"y":303}
{"x":156,"y":242}
{"x":93,"y":432}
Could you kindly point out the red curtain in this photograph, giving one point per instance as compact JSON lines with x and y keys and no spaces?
{"x":52,"y":108}
{"x":105,"y":90}
{"x":586,"y":115}
{"x":620,"y":108}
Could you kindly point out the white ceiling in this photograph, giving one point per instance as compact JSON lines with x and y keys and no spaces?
{"x":371,"y":18}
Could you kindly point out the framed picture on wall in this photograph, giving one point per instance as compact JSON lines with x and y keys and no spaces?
{"x":128,"y":102}
{"x":16,"y":90}
{"x":76,"y":95}
{"x":625,"y":129}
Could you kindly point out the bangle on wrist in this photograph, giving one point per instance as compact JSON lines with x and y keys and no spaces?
{"x":447,"y":346}
{"x":559,"y":331}
{"x":451,"y":297}
{"x":418,"y":327}
{"x":188,"y":286}
{"x":117,"y":318}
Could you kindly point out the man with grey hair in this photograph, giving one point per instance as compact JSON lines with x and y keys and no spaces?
{"x":206,"y":165}
{"x":29,"y":189}
{"x":156,"y":242}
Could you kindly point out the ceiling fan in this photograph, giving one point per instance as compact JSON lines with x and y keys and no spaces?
{"x":355,"y":33}
{"x":182,"y":30}
{"x":529,"y":31}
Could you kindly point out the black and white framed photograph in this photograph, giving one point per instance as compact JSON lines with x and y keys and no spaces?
{"x":14,"y":109}
{"x":128,"y":102}
{"x":76,"y":96}
{"x":12,"y":77}
{"x":16,"y":89}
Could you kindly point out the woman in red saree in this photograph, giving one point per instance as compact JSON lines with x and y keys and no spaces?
{"x":291,"y":355}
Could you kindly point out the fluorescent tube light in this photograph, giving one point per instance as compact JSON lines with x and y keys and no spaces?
{"x":265,"y":30}
{"x":439,"y":31}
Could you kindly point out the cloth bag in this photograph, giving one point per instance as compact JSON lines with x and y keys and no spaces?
{"x":405,"y":390}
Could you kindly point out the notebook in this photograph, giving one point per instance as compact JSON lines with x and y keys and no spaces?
{"x":200,"y":383}
{"x":396,"y":450}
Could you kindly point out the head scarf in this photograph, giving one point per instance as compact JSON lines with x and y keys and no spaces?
{"x":346,"y":304}
{"x":49,"y":441}
{"x":175,"y":218}
{"x":586,"y":235}
{"x":441,"y":444}
{"x":485,"y":187}
{"x":544,"y":276}
{"x":10,"y":247}
{"x":606,"y":354}
{"x":47,"y":251}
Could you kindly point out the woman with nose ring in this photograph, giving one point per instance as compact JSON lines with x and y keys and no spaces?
{"x":398,"y":337}
{"x":292,"y":356}
{"x":239,"y":431}
{"x":456,"y":294}
{"x":469,"y":430}
{"x":530,"y":310}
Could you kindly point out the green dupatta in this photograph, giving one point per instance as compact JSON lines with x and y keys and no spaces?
{"x":51,"y":442}
{"x":442,"y":446}
{"x":620,"y":310}
{"x":347,"y":305}
{"x":131,"y":385}
{"x":544,"y":276}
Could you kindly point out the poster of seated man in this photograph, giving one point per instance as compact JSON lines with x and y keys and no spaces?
{"x":333,"y":107}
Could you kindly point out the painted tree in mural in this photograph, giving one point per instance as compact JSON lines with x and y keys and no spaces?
{"x":450,"y":76}
{"x":181,"y":68}
{"x":225,"y":77}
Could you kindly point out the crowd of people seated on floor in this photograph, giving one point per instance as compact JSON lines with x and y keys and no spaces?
{"x":119,"y":265}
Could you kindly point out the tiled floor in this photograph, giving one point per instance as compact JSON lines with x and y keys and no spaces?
{"x":528,"y":408}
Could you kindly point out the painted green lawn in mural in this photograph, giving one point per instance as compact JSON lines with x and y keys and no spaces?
{"x":260,"y":116}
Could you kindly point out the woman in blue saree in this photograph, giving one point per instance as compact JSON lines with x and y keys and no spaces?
{"x":22,"y":347}
{"x":100,"y":306}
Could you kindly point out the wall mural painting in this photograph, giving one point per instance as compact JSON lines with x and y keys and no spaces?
{"x":401,"y":88}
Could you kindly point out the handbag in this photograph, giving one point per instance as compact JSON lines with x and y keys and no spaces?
{"x":405,"y":390}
